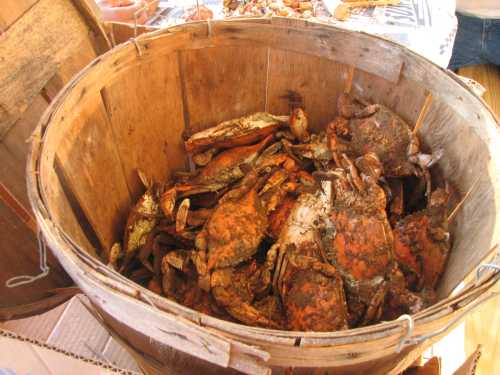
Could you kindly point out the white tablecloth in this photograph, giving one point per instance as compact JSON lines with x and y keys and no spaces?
{"x":427,"y":27}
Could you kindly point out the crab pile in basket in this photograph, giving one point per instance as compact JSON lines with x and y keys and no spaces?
{"x":280,"y":228}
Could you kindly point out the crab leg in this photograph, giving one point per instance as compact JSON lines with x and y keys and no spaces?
{"x":225,"y":294}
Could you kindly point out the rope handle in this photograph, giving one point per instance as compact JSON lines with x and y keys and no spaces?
{"x":406,"y":339}
{"x":19,"y":280}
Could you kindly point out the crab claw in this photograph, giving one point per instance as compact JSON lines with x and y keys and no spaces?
{"x":299,"y":124}
{"x":349,"y":107}
{"x":167,"y":203}
{"x":427,"y":160}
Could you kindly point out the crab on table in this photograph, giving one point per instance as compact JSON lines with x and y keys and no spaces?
{"x":362,"y":128}
{"x":422,"y":242}
{"x":310,"y":289}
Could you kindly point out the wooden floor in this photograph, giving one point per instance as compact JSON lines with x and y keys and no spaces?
{"x":483,"y":326}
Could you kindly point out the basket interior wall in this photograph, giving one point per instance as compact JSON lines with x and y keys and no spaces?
{"x":131,"y":113}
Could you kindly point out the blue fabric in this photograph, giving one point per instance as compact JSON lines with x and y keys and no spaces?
{"x":477,"y":42}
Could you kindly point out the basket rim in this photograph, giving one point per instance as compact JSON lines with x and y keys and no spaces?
{"x":68,"y":248}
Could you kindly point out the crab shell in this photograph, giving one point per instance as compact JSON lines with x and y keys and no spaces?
{"x":236,"y":132}
{"x":388,"y":136}
{"x":363,"y":245}
{"x":141,"y":221}
{"x":421,"y":244}
{"x":235,"y":230}
{"x":299,"y":124}
{"x":313,"y":301}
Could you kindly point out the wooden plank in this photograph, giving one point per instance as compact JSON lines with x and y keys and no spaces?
{"x":14,"y":148}
{"x":489,"y":77}
{"x":91,"y":13}
{"x":69,"y":67}
{"x":364,"y":52}
{"x":12,"y":10}
{"x":121,"y":32}
{"x":17,"y":208}
{"x":148,"y":129}
{"x":220,"y":84}
{"x":319,"y":81}
{"x":69,"y":215}
{"x":20,"y":257}
{"x":405,"y":97}
{"x":92,"y":168}
{"x":50,"y":32}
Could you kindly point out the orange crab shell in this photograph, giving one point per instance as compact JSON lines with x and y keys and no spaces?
{"x":418,"y":251}
{"x":236,"y":132}
{"x":278,"y":217}
{"x":221,"y":168}
{"x":362,"y":244}
{"x":315,"y":302}
{"x":235,"y":230}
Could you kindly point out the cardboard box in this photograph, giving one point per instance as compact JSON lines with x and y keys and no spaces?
{"x":72,"y":331}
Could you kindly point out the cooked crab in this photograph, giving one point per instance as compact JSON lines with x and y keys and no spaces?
{"x":362,"y":128}
{"x":142,"y":219}
{"x":310,"y":289}
{"x":230,"y":237}
{"x":237,"y":132}
{"x":422,"y":242}
{"x":358,"y":239}
{"x":179,"y":284}
{"x":225,"y":168}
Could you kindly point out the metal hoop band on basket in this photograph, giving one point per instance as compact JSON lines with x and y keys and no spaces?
{"x":492,"y":266}
{"x":408,"y":340}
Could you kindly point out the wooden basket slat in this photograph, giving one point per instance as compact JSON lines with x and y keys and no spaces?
{"x":231,"y":72}
{"x":138,"y":105}
{"x":467,"y":165}
{"x":90,"y":138}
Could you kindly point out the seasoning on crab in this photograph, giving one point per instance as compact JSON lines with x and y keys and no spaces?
{"x":224,"y":169}
{"x":362,"y":128}
{"x":422,"y":242}
{"x":310,"y":289}
{"x":361,"y":244}
{"x":231,"y":236}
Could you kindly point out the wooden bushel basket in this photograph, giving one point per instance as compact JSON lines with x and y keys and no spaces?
{"x":129,"y":109}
